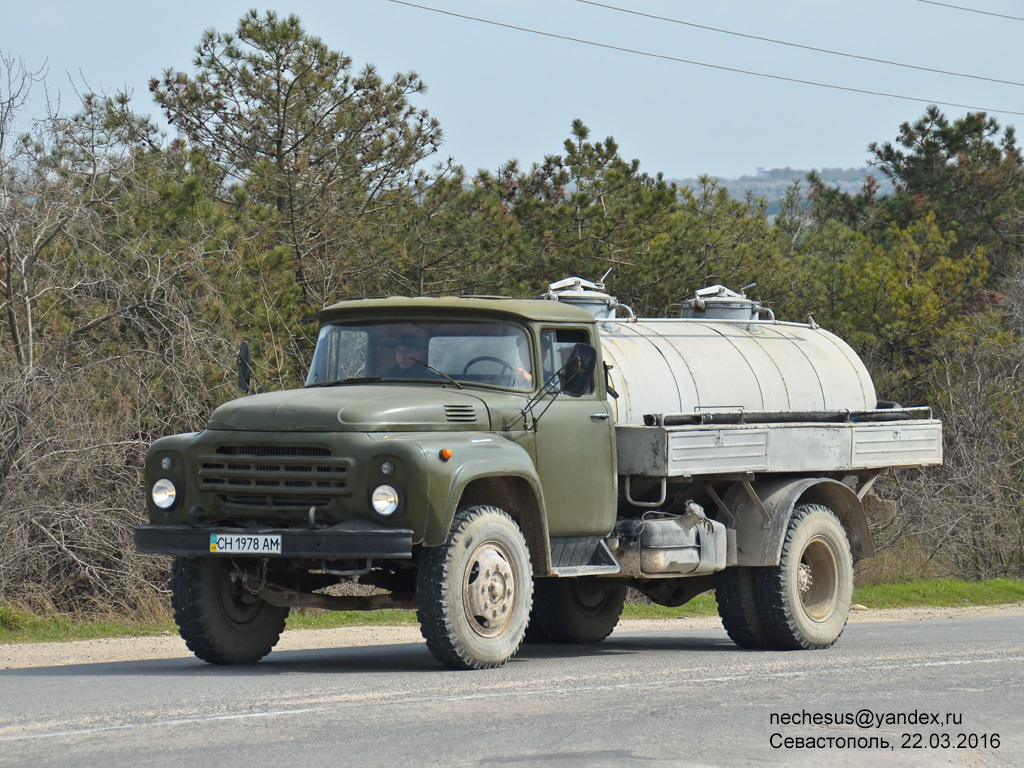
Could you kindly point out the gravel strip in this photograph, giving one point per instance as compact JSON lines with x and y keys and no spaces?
{"x":23,"y":655}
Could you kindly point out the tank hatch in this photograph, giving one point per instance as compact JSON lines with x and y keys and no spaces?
{"x":716,"y":302}
{"x":587,"y":294}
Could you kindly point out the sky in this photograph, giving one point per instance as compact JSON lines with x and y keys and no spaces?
{"x":666,"y":91}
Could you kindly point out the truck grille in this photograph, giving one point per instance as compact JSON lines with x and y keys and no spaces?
{"x":274,"y":475}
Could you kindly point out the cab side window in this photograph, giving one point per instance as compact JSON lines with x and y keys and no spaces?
{"x":556,"y":348}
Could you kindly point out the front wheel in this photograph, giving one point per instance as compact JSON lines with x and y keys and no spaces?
{"x":474,"y":592}
{"x":220,"y":620}
{"x":806,"y":598}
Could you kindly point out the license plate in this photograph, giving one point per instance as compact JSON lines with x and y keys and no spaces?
{"x":245,"y":544}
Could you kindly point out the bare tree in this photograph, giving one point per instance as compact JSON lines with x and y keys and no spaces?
{"x":103,"y":346}
{"x":966,"y":517}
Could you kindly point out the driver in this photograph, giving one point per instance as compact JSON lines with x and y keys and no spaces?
{"x":407,"y":347}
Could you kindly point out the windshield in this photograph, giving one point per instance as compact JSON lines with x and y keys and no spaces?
{"x":470,"y":352}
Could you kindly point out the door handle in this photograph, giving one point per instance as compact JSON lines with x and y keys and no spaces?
{"x":599,"y":416}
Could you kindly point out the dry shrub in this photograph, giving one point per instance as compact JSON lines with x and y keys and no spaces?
{"x":965,"y":518}
{"x":74,"y":490}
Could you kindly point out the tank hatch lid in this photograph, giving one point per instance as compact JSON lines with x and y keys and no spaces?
{"x":587,"y":294}
{"x":719,"y":303}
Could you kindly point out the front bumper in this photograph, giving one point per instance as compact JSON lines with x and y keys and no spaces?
{"x":352,"y":538}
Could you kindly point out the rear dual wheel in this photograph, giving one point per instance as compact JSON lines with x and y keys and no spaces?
{"x":807,"y":596}
{"x":736,"y":593}
{"x":803,"y":603}
{"x":577,"y":610}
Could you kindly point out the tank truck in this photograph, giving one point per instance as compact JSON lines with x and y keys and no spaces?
{"x":509,"y":468}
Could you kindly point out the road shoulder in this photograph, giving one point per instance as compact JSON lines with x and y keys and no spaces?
{"x":26,"y":655}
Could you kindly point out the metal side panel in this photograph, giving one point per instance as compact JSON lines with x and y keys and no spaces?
{"x":642,"y":451}
{"x":809,"y":448}
{"x":801,"y":447}
{"x":899,"y":444}
{"x":718,"y":450}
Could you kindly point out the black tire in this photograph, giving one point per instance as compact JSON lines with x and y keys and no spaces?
{"x":534,"y":632}
{"x":738,"y":605}
{"x":806,"y":598}
{"x":219,"y":620}
{"x":474,"y":593}
{"x":580,"y":610}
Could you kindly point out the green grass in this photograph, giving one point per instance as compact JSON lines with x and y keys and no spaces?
{"x":702,"y":605}
{"x":21,"y":627}
{"x":388,"y":617}
{"x":941,"y":593}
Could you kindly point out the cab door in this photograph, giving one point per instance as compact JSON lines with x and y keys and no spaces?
{"x":575,"y":439}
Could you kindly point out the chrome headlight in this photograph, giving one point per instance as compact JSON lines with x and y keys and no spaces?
{"x":385,"y":500}
{"x":164,"y":493}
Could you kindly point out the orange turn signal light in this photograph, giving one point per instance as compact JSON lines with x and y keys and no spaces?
{"x":445,"y":454}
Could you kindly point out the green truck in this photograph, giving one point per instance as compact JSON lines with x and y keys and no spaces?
{"x":509,"y":468}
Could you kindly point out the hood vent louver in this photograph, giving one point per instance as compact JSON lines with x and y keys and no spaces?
{"x":460,"y":414}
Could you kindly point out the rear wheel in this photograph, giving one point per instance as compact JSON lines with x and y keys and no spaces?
{"x":736,"y":594}
{"x":578,"y":610}
{"x":534,"y":632}
{"x":220,"y":620}
{"x":807,"y":597}
{"x":473,"y":593}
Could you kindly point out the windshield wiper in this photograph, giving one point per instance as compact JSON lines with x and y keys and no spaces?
{"x":439,"y":373}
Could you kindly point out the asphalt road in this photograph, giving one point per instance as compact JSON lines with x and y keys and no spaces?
{"x":682,"y":697}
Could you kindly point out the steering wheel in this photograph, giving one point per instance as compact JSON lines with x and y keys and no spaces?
{"x":488,"y":359}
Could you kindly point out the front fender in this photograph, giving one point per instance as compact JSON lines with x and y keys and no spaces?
{"x":759,"y":543}
{"x":475,"y":455}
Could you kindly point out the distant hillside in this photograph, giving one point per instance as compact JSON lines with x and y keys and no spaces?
{"x":772,"y":184}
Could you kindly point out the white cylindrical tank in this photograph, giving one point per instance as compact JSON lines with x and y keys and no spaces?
{"x":691,"y":366}
{"x":724,"y":354}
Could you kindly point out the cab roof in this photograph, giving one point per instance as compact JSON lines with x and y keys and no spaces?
{"x":399,"y":306}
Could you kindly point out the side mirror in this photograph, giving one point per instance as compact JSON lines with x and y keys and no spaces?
{"x":577,"y":375}
{"x":244,"y":365}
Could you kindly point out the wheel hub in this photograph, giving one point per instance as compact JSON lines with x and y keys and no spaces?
{"x":805,"y":578}
{"x":817,"y":579}
{"x":489,"y":590}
